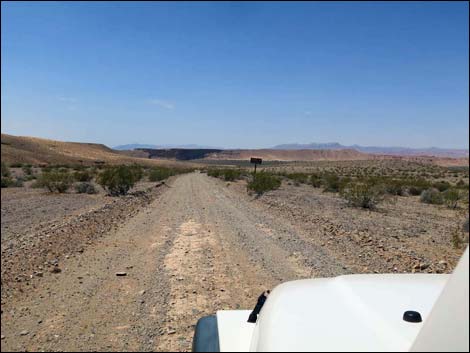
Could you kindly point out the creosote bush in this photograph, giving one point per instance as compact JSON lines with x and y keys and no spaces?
{"x":263,"y":181}
{"x":432,"y":196}
{"x":334,"y":183}
{"x":316,"y":180}
{"x":452,"y":198}
{"x":83,"y":175}
{"x":56,"y":180}
{"x":442,"y":186}
{"x":363,"y":195}
{"x":6,"y":176}
{"x":225,"y":174}
{"x":118,"y":180}
{"x":298,"y":178}
{"x":331,"y":183}
{"x":160,"y":173}
{"x":85,"y":188}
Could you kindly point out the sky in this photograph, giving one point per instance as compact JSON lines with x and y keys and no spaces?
{"x":237,"y":74}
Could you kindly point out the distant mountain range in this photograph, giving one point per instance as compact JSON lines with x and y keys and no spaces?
{"x":395,"y":151}
{"x":392,"y":151}
{"x":134,"y":146}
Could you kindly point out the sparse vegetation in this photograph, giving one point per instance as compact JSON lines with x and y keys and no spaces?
{"x":6,"y":176}
{"x":452,"y":198}
{"x":118,"y":180}
{"x":83,"y":175}
{"x":85,"y":188}
{"x":160,"y":173}
{"x":395,"y":187}
{"x":298,"y":178}
{"x":57,"y":180}
{"x":27,"y":169}
{"x":363,"y":195}
{"x":331,"y":183}
{"x":232,"y":174}
{"x":16,"y":165}
{"x":264,"y":181}
{"x":432,"y":196}
{"x":227,"y":174}
{"x":316,"y":180}
{"x":442,"y":186}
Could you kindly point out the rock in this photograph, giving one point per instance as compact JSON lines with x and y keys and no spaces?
{"x":171,"y":332}
{"x":121,"y":274}
{"x":443,"y":263}
{"x":56,"y":270}
{"x":142,"y":292}
{"x":3,"y":337}
{"x":24,"y":333}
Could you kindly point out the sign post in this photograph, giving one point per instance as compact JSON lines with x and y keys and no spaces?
{"x":255,"y":161}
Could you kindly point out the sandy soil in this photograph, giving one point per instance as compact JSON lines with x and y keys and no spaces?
{"x":199,"y":245}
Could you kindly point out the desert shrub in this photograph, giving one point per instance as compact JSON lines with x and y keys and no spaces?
{"x":56,"y":180}
{"x":160,"y":173}
{"x":85,"y":188}
{"x":232,"y":174}
{"x":458,"y":239}
{"x":452,"y":198}
{"x":6,"y":176}
{"x":331,"y":183}
{"x":417,"y":186}
{"x":442,"y":186}
{"x":363,"y":195}
{"x":415,"y":190}
{"x":263,"y":182}
{"x":7,"y":182}
{"x":16,"y":183}
{"x":316,"y":180}
{"x":298,"y":178}
{"x":27,"y":169}
{"x":83,"y":175}
{"x":227,"y":174}
{"x":16,"y":165}
{"x":5,"y":170}
{"x":432,"y":196}
{"x":395,"y":187}
{"x":462,"y":184}
{"x":37,"y":184}
{"x":213,"y":172}
{"x":118,"y":180}
{"x":29,"y":177}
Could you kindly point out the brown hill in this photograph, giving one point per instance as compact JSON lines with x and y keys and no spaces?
{"x":21,"y":149}
{"x":329,"y":155}
{"x":292,"y":155}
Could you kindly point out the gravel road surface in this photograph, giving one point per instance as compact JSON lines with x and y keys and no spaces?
{"x":197,"y":248}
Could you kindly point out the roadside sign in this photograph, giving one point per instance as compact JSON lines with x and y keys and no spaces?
{"x":256,"y":161}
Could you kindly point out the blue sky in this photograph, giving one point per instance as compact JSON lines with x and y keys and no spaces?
{"x":235,"y":74}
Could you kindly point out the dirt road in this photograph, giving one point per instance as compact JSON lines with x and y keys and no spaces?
{"x":197,"y":248}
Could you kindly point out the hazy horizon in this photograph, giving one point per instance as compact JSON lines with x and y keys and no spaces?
{"x":237,"y":75}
